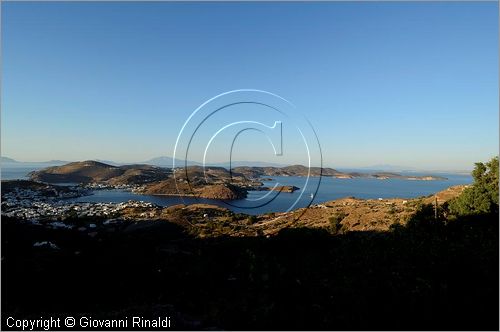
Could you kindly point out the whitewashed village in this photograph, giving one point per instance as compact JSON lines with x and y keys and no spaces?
{"x":51,"y":206}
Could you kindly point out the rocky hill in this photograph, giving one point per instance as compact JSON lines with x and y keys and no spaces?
{"x":96,"y":172}
{"x":206,"y":182}
{"x":353,"y":214}
{"x":337,"y":216}
{"x":210,"y":174}
{"x":211,"y":182}
{"x":300,"y":170}
{"x":294,"y":170}
{"x":35,"y":188}
{"x":169,"y":187}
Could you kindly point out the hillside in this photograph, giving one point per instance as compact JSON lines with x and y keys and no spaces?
{"x":47,"y":190}
{"x":338,"y":216}
{"x":96,"y":172}
{"x":300,"y":170}
{"x":207,"y":182}
{"x":294,"y":170}
{"x":201,"y":189}
{"x":343,"y":215}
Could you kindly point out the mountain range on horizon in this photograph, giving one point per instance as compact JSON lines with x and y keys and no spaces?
{"x":162,"y":161}
{"x":165,"y":161}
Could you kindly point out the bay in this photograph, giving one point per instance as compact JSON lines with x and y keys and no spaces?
{"x":18,"y":172}
{"x":258,"y":202}
{"x":329,"y":189}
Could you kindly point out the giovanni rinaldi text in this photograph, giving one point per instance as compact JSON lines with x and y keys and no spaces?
{"x":86,"y":322}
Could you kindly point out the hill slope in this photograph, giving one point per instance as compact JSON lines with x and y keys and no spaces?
{"x":96,"y":172}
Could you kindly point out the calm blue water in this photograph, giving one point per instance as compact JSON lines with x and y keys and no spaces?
{"x":19,"y":172}
{"x":329,"y":189}
{"x":259,"y":202}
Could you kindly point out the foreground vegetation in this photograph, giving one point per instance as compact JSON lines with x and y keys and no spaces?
{"x":435,"y":272}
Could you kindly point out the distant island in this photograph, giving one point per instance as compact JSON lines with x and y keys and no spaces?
{"x":300,"y":170}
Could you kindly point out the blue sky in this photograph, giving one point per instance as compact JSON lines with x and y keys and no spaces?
{"x":411,"y":84}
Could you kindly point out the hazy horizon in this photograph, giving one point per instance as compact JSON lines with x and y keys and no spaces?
{"x":405,"y":84}
{"x":384,"y":167}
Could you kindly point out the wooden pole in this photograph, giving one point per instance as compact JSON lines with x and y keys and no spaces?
{"x":436,"y":208}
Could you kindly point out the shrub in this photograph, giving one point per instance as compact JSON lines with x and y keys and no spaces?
{"x":252,"y":219}
{"x":482,"y":196}
{"x":335,"y":222}
{"x":396,"y":227}
{"x":270,"y":214}
{"x":424,"y":218}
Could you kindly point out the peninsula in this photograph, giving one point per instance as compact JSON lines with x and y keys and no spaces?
{"x":206,"y":182}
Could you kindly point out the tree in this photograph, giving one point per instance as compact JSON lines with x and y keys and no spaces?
{"x":482,"y":196}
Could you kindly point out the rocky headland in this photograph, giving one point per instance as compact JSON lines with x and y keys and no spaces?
{"x":209,"y":182}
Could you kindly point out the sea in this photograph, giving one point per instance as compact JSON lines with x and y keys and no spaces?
{"x":315,"y":191}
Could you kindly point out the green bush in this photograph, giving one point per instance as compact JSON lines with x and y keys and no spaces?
{"x":482,"y":196}
{"x":335,"y":222}
{"x":424,"y":218}
{"x":252,"y":219}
